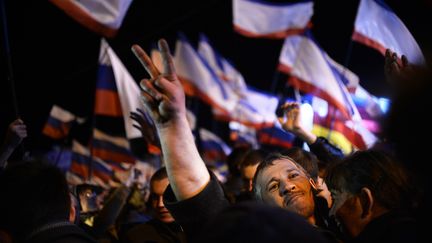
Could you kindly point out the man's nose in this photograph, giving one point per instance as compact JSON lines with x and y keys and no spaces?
{"x":287,"y":187}
{"x":160,"y":203}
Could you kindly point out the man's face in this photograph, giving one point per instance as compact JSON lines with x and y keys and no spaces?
{"x":285,"y":185}
{"x":157,"y":189}
{"x":247,"y":174}
{"x":348,"y":212}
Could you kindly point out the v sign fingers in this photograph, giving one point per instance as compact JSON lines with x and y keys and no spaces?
{"x":168,"y":64}
{"x":145,"y":61}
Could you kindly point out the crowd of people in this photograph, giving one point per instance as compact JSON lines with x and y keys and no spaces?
{"x":292,"y":195}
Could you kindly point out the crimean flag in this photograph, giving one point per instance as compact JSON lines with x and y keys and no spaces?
{"x":311,"y":72}
{"x":101,"y":16}
{"x":377,"y":26}
{"x":200,"y":80}
{"x":260,"y":19}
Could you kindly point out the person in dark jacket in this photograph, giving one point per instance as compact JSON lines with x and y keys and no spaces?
{"x":35,"y":205}
{"x":162,"y":228}
{"x":372,"y":198}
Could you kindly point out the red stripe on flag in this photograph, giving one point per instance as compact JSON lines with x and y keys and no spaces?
{"x":192,"y":90}
{"x":275,"y":35}
{"x":107,"y":103}
{"x":84,"y":18}
{"x":112,"y":156}
{"x":339,"y":126}
{"x":56,"y":133}
{"x":368,"y":42}
{"x":267,"y":139}
{"x":309,"y":88}
{"x":226,"y":118}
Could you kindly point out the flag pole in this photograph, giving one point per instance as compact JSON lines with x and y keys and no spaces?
{"x":9,"y":58}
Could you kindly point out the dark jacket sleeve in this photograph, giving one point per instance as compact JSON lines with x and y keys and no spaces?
{"x":194,"y":212}
{"x":326,"y":152}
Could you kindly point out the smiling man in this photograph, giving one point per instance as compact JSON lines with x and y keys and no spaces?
{"x":281,"y":182}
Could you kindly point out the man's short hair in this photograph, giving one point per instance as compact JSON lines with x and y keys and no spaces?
{"x":306,"y":159}
{"x":376,"y":170}
{"x":267,"y":162}
{"x":159,"y":175}
{"x":253,"y":157}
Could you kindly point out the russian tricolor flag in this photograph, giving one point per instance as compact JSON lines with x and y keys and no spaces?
{"x":59,"y":123}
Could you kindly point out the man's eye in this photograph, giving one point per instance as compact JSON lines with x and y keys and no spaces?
{"x":273,"y":187}
{"x":293,"y":175}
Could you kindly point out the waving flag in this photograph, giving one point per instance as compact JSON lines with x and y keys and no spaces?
{"x":114,"y":150}
{"x":346,"y":134}
{"x":259,"y":19}
{"x":311,"y":72}
{"x":82,"y":161}
{"x":59,"y":123}
{"x":222,"y":67}
{"x":213,"y":147}
{"x":256,"y":110}
{"x":199,"y":79}
{"x":117,"y":94}
{"x":377,"y":26}
{"x":101,"y":16}
{"x":253,"y":108}
{"x":275,"y":136}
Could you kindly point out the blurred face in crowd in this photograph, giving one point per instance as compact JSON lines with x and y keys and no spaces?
{"x":348,"y":211}
{"x":286,"y":184}
{"x":90,"y":200}
{"x":247,"y":174}
{"x":157,"y":188}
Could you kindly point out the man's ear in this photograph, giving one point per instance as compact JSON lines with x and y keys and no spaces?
{"x":72,"y":213}
{"x":366,"y":201}
{"x":313,"y":183}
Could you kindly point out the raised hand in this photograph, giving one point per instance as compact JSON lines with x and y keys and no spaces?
{"x":291,"y":118}
{"x":16,"y":132}
{"x":163,"y":94}
{"x":146,"y":127}
{"x":291,"y":122}
{"x":396,"y":70}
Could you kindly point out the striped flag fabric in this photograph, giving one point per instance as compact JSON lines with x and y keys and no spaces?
{"x":253,"y":108}
{"x":260,"y":19}
{"x":275,"y":137}
{"x":213,"y":148}
{"x":256,"y":109}
{"x":82,"y":160}
{"x":348,"y":135}
{"x":311,"y":72}
{"x":117,"y":94}
{"x":378,"y":27}
{"x":60,"y":122}
{"x":103,"y":17}
{"x":200,"y":80}
{"x":222,"y":67}
{"x":112,"y":149}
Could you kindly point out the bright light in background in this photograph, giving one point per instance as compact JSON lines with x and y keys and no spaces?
{"x":320,"y":106}
{"x":306,"y":116}
{"x":384,"y":104}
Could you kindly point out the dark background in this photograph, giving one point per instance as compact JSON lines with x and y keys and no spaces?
{"x":54,"y":59}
